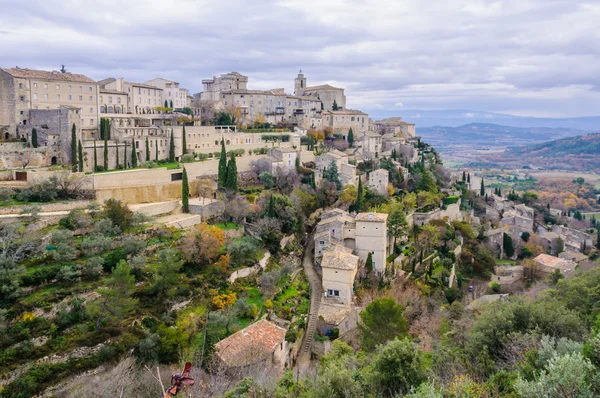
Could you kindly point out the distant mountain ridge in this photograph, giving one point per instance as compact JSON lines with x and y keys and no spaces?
{"x":580,"y":153}
{"x":459,"y":117}
{"x":488,"y":134}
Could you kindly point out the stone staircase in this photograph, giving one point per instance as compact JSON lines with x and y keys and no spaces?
{"x":314,"y":282}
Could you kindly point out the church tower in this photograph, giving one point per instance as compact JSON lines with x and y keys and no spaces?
{"x":299,"y":84}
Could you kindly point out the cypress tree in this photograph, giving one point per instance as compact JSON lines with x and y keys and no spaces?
{"x":171,"y":104}
{"x":469,"y":178}
{"x":184,"y":142}
{"x":133,"y":156}
{"x":185,"y":192}
{"x":95,"y":157}
{"x":125,"y":155}
{"x":482,"y":188}
{"x":147,"y":150}
{"x":80,"y":164}
{"x":222,"y":176}
{"x":117,"y":157}
{"x":156,"y":151}
{"x":34,"y":138}
{"x":297,"y":163}
{"x":74,"y":148}
{"x":464,"y":178}
{"x":271,"y":207}
{"x":102,"y":128}
{"x":166,"y":104}
{"x":369,"y":263}
{"x":172,"y":148}
{"x":107,"y":127}
{"x":105,"y":153}
{"x":359,"y":194}
{"x":350,"y":137}
{"x":232,"y":177}
{"x":312,"y":180}
{"x":598,"y":238}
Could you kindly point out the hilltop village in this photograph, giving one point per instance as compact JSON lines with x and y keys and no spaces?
{"x":281,"y":244}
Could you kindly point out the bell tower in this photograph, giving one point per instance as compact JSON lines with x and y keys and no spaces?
{"x":299,"y":84}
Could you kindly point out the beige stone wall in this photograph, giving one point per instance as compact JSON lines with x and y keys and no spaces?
{"x":372,"y":237}
{"x":143,"y":193}
{"x":341,"y":280}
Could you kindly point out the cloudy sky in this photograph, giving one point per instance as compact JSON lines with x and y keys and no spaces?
{"x":524,"y":57}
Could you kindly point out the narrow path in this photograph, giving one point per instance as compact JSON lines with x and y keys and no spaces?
{"x":315,"y":299}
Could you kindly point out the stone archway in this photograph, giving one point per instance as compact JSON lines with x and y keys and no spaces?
{"x":53,"y":161}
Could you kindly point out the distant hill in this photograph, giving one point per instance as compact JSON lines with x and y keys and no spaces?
{"x":572,"y":153}
{"x":491,"y":135}
{"x":459,"y":117}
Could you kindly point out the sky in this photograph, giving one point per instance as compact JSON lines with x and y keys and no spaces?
{"x":522,"y":57}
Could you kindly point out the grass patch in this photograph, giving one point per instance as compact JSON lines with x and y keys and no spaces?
{"x":254,"y":296}
{"x":228,"y":226}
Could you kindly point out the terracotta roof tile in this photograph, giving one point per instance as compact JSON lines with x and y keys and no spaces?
{"x":46,"y":75}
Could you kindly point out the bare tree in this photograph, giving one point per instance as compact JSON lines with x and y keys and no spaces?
{"x":205,"y":188}
{"x":286,"y":179}
{"x":260,"y":166}
{"x":237,"y":209}
{"x":24,"y":158}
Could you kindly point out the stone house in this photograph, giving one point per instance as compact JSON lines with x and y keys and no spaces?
{"x":262,"y":345}
{"x":339,"y":268}
{"x":171,"y":92}
{"x":546,"y":264}
{"x":23,"y":90}
{"x":371,"y":146}
{"x":573,"y":256}
{"x":378,"y":181}
{"x":573,"y":238}
{"x":287,"y":156}
{"x":326,"y":93}
{"x":366,"y":233}
{"x":395,"y":126}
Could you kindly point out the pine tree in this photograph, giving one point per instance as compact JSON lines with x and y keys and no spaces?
{"x":369,"y":263}
{"x":34,"y":138}
{"x":80,"y":164}
{"x":232,"y":177}
{"x":185,"y":192}
{"x":222,"y":176}
{"x":147,"y":150}
{"x":172,"y":148}
{"x":74,"y":148}
{"x":184,"y":141}
{"x":105,"y":153}
{"x":359,"y":195}
{"x":464,"y":178}
{"x":332,"y":174}
{"x":133,"y":156}
{"x":95,"y":157}
{"x":350,"y":137}
{"x":482,"y":188}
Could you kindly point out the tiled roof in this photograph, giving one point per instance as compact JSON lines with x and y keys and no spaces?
{"x":339,"y":260}
{"x":375,"y":217}
{"x":46,"y":75}
{"x":250,"y":344}
{"x":107,"y":91}
{"x":346,"y":112}
{"x":554,"y":262}
{"x":322,"y":87}
{"x":144,"y":85}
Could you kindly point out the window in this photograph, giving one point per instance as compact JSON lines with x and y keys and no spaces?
{"x":46,"y":97}
{"x":20,"y":85}
{"x":334,"y":293}
{"x":35,"y":96}
{"x":110,"y":100}
{"x":69,"y":87}
{"x":58,"y":86}
{"x":91,"y":122}
{"x":321,"y":242}
{"x":34,"y":85}
{"x":46,"y":85}
{"x":91,"y":110}
{"x":90,"y":98}
{"x":118,"y":100}
{"x":22,"y":112}
{"x":22,"y":98}
{"x":58,"y":97}
{"x":80,"y":88}
{"x":70,"y":97}
{"x":91,"y":89}
{"x":81,"y":98}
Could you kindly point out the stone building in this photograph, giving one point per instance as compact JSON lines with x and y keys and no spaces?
{"x":171,"y":92}
{"x":326,"y":93}
{"x":339,"y":267}
{"x":371,"y":146}
{"x":142,"y":98}
{"x":261,"y":345}
{"x":395,"y":126}
{"x":547,"y":264}
{"x":287,"y":156}
{"x":212,"y":88}
{"x":23,"y":90}
{"x":343,"y":120}
{"x":378,"y":181}
{"x":365,"y":233}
